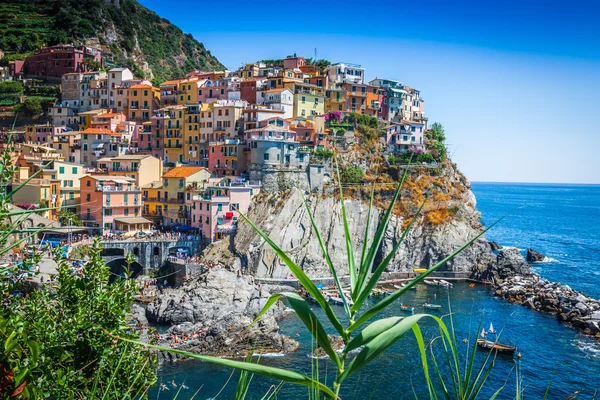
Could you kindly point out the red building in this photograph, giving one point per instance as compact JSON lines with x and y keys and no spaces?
{"x":15,"y":68}
{"x":58,"y":60}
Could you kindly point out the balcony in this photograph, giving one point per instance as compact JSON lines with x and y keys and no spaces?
{"x":173,"y":135}
{"x":109,"y":189}
{"x":163,"y":200}
{"x":173,"y":146}
{"x":152,"y":214}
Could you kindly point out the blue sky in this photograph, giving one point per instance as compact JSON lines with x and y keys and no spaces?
{"x":515,"y":83}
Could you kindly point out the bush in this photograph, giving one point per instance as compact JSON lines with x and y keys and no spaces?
{"x":322,"y":153}
{"x":32,"y":107}
{"x":11,"y":88}
{"x":351,"y":175}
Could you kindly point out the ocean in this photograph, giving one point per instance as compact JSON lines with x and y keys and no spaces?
{"x":561,"y":221}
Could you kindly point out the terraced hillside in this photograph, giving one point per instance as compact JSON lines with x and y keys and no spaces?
{"x":135,"y":36}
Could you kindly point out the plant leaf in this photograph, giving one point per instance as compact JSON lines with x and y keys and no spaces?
{"x":370,"y":332}
{"x":351,"y":264}
{"x":383,"y":265}
{"x":307,"y":316}
{"x":377,"y":308}
{"x":379,"y":344}
{"x":338,"y":284}
{"x":365,"y":267}
{"x":270,"y":372}
{"x":302,"y":278}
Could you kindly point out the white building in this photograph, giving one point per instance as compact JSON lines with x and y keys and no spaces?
{"x":280,"y":99}
{"x":345,"y":73}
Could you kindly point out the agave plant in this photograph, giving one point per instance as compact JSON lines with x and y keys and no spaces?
{"x":371,"y":338}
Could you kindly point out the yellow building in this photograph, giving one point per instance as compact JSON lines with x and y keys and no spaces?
{"x":86,"y":118}
{"x":335,"y":100}
{"x":167,"y":201}
{"x":308,"y":99}
{"x":191,"y":135}
{"x":187,"y":91}
{"x":142,"y":99}
{"x":68,"y":175}
{"x":173,"y":137}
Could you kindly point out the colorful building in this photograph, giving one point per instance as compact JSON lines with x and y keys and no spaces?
{"x":404,"y":136}
{"x":110,"y":203}
{"x":55,"y":61}
{"x":143,"y":100}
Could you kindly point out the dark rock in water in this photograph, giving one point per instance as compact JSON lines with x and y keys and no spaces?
{"x":534,"y":256}
{"x":495,"y":246}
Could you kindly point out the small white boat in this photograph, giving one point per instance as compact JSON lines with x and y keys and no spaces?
{"x":432,"y":306}
{"x":430,"y":283}
{"x":491,"y":331}
{"x":445,"y":283}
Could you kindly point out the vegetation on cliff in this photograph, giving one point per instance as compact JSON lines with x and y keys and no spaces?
{"x":132,"y":33}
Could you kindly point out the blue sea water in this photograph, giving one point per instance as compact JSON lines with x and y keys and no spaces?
{"x":561,"y":221}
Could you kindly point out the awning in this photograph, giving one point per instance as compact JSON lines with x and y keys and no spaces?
{"x":133,"y":220}
{"x":229,"y":215}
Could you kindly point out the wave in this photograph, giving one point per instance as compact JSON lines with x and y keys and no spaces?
{"x":546,"y":260}
{"x":588,"y":348}
{"x":512,"y":247}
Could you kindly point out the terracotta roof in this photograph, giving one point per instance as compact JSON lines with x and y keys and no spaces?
{"x":107,"y":115}
{"x":182,"y":172}
{"x":96,"y":131}
{"x":172,"y":82}
{"x":141,"y":86}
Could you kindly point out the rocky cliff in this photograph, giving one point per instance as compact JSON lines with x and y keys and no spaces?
{"x":450,"y":219}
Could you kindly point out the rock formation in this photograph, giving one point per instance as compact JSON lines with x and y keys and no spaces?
{"x":534,"y":256}
{"x":210,"y":316}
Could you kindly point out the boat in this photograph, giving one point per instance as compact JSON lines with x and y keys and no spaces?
{"x":406,"y":308}
{"x":432,"y":306}
{"x":499,"y":347}
{"x":491,"y":330}
{"x":445,"y":283}
{"x":430,"y":283}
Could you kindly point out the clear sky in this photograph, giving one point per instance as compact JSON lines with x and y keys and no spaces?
{"x":516,"y":84}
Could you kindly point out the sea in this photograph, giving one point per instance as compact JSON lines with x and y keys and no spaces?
{"x":560,"y":221}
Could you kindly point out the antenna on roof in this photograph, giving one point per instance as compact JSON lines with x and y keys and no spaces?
{"x":315,"y":56}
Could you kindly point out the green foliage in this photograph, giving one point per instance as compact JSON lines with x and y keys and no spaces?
{"x":53,"y":340}
{"x":351,"y":175}
{"x":43,"y":91}
{"x":32,"y":107}
{"x":437,"y":132}
{"x":322,"y":153}
{"x":11,"y":87}
{"x":66,"y":217}
{"x":26,"y":25}
{"x":70,"y":323}
{"x":276,"y":62}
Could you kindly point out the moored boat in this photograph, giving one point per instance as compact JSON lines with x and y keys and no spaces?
{"x":406,"y":308}
{"x":432,"y":306}
{"x":445,"y":283}
{"x":499,"y":347}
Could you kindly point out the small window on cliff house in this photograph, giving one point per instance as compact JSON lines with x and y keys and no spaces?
{"x":156,"y":251}
{"x":136,"y":251}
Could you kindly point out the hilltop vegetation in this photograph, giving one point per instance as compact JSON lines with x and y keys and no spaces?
{"x":137,"y":38}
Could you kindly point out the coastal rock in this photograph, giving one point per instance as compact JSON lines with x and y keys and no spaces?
{"x":211,"y":316}
{"x":534,"y":256}
{"x":494,"y":246}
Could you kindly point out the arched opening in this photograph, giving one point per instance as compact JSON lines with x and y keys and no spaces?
{"x":136,"y":251}
{"x":156,"y":251}
{"x":119,"y":269}
{"x":112,"y":252}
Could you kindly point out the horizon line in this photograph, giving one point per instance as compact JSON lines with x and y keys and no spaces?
{"x":540,"y":183}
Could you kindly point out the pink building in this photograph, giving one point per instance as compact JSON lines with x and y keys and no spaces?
{"x":215,"y":209}
{"x":212,"y":90}
{"x":42,"y":133}
{"x":111,"y":203}
{"x":405,"y":136}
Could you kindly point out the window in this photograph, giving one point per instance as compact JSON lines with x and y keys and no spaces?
{"x":266,"y":156}
{"x":71,"y":195}
{"x":107,"y":211}
{"x":126,"y":211}
{"x":74,"y":170}
{"x":61,"y":170}
{"x":303,"y":99}
{"x":219,"y":207}
{"x":88,"y":197}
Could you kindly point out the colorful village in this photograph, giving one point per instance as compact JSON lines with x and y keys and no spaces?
{"x":126,"y":156}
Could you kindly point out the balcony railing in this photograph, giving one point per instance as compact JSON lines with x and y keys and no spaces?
{"x":118,"y":188}
{"x":163,"y":200}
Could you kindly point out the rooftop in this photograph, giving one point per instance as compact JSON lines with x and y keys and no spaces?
{"x":182,"y":172}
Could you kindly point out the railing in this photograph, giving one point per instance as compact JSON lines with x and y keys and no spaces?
{"x":118,"y":188}
{"x":173,"y":146}
{"x":274,"y":138}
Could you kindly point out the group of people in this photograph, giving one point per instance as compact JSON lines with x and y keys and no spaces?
{"x":184,"y":338}
{"x":155,"y":235}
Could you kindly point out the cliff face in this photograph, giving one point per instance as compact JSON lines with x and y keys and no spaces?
{"x":450,"y":219}
{"x":136,"y":37}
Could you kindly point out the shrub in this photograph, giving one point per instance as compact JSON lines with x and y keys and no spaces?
{"x":351,"y":175}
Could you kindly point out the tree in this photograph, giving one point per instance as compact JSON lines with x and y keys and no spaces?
{"x":438,"y":132}
{"x":66,"y":217}
{"x":32,"y":107}
{"x":11,"y":88}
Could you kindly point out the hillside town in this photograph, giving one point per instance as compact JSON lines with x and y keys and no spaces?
{"x":125,"y":156}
